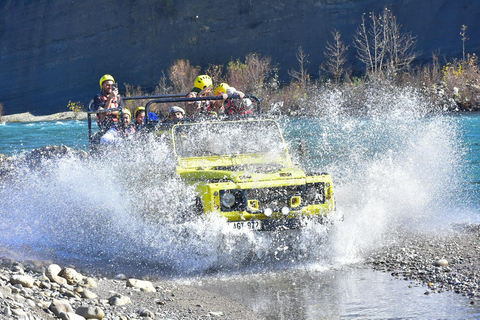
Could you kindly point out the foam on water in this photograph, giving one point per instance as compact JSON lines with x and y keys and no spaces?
{"x":392,"y":171}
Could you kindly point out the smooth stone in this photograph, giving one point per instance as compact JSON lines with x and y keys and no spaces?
{"x":441,"y":263}
{"x":24,"y":280}
{"x":59,"y":306}
{"x":72,"y":276}
{"x":119,"y":300}
{"x":71,"y":316}
{"x":141,"y":284}
{"x":90,"y":312}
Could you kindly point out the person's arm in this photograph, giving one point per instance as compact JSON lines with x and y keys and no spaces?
{"x":110,"y":137}
{"x":234,"y":92}
{"x":114,"y":97}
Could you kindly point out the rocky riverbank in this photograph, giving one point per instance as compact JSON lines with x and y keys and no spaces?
{"x":28,"y":117}
{"x":449,"y":261}
{"x":44,"y":290}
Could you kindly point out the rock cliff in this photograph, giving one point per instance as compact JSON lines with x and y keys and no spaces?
{"x":54,"y":51}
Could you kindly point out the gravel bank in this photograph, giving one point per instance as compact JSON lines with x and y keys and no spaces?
{"x":441,"y":262}
{"x":38,"y":290}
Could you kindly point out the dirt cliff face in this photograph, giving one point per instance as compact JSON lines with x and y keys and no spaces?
{"x":55,"y":51}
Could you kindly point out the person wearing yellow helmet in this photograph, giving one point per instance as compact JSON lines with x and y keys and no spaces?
{"x":107,"y":98}
{"x":229,"y":104}
{"x":201,"y":83}
{"x":127,"y":118}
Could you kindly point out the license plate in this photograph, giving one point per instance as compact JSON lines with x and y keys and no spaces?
{"x":247,"y":225}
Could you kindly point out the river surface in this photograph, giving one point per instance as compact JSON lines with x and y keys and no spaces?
{"x":391,"y":172}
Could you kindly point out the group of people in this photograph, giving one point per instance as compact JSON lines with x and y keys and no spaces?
{"x":112,"y":130}
{"x":203,"y":87}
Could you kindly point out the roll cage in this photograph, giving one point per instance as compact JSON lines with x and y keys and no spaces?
{"x":164,"y":99}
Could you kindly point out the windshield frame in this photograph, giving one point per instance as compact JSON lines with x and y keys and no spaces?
{"x":261,"y":149}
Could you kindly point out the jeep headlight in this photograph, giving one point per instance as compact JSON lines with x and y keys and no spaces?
{"x":311,"y":194}
{"x":227,"y":200}
{"x":315,"y":193}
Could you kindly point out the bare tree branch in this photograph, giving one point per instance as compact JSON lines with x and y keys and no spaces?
{"x":336,"y":55}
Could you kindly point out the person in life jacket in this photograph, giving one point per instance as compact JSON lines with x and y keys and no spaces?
{"x":192,"y":108}
{"x":107,"y":98}
{"x":202,"y":87}
{"x":127,"y":118}
{"x":238,"y":105}
{"x":119,"y":131}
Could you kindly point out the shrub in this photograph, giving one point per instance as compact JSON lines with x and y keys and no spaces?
{"x":461,"y":80}
{"x":76,"y":107}
{"x":182,"y":75}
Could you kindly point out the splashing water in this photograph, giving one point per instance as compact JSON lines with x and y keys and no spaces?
{"x":124,"y":210}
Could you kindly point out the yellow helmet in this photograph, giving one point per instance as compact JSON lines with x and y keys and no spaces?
{"x":126,"y":111}
{"x":105,"y":78}
{"x":202,"y":82}
{"x":138,"y":110}
{"x":222,"y":87}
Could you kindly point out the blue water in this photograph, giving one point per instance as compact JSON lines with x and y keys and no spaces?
{"x":391,"y":172}
{"x":17,"y":137}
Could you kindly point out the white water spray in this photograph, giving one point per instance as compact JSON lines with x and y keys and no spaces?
{"x":392,"y":170}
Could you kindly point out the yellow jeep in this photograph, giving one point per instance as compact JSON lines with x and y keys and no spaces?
{"x":242,"y":170}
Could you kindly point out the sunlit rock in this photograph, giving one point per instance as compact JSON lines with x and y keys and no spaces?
{"x":90,"y":312}
{"x":71,"y":316}
{"x":119,"y":300}
{"x":60,"y":306}
{"x":141,"y":284}
{"x":52,"y":273}
{"x":441,"y":263}
{"x":24,"y":280}
{"x":71,"y":275}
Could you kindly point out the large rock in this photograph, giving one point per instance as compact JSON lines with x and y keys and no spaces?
{"x":71,"y":275}
{"x":52,"y":273}
{"x":90,"y":312}
{"x":119,"y":300}
{"x":60,"y":306}
{"x":141,"y":284}
{"x":24,"y":280}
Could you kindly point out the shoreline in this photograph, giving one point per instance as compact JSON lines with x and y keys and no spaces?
{"x":28,"y":117}
{"x":81,"y":116}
